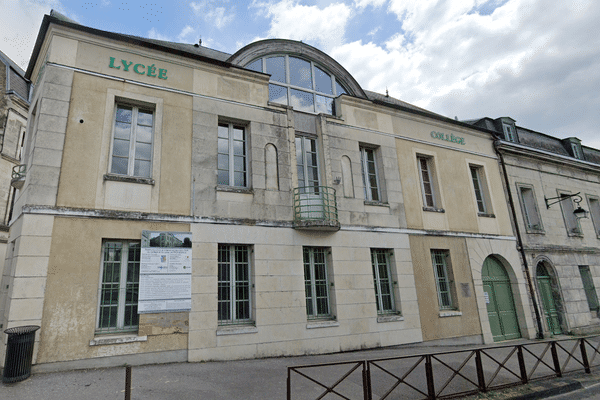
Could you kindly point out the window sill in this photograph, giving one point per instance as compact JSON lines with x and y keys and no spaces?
{"x":321,"y":324}
{"x":376,"y":203}
{"x":234,"y":189}
{"x":450,"y":313}
{"x":432,"y":209}
{"x":389,"y":317}
{"x":117,"y":339}
{"x":485,"y":215}
{"x":535,"y":231}
{"x":236,"y":329}
{"x":128,"y":179}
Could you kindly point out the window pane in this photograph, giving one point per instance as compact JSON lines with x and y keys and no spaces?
{"x":223,"y":131}
{"x":238,"y":148}
{"x":119,"y":166}
{"x":255,"y":65}
{"x":240,"y":179}
{"x":300,"y":73}
{"x":322,"y":81}
{"x":302,"y":101}
{"x":142,"y":168}
{"x":124,"y":114}
{"x":223,"y":145}
{"x":122,"y":130}
{"x":278,"y":94}
{"x":238,"y":133}
{"x":223,"y":162}
{"x":121,"y":148}
{"x":143,"y":151}
{"x":324,"y":105}
{"x":276,"y":68}
{"x":223,"y":178}
{"x":144,"y":134}
{"x":339,"y":89}
{"x":145,"y":118}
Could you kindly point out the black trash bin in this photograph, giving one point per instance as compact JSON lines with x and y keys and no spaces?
{"x":19,"y":353}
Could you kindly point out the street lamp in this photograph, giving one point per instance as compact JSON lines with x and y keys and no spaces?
{"x":579,"y":212}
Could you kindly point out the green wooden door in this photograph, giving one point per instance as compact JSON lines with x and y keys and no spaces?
{"x":549,"y":300}
{"x":502,"y":313}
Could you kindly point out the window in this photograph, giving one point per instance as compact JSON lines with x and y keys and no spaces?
{"x":588,"y":286}
{"x":231,"y":158}
{"x":595,"y":212}
{"x":300,"y":83}
{"x":509,"y":133}
{"x":132,"y":141}
{"x":571,"y":222}
{"x":234,"y":305}
{"x":576,"y":148}
{"x":369,"y":173}
{"x":316,"y":282}
{"x":118,"y":297}
{"x":478,"y":178}
{"x":307,"y":164}
{"x":380,"y":260}
{"x":443,"y":279}
{"x":530,"y":209}
{"x":428,"y":187}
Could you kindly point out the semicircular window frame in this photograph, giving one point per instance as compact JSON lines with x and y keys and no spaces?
{"x":289,"y":87}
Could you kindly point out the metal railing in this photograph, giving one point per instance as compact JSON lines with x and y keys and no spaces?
{"x":18,"y":176}
{"x":446,"y":374}
{"x":315,"y":203}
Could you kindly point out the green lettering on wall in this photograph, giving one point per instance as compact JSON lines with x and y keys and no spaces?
{"x":162,"y":73}
{"x":151,"y":70}
{"x":112,"y":64}
{"x":135,"y":69}
{"x":125,"y":65}
{"x":139,"y":68}
{"x":448,"y":137}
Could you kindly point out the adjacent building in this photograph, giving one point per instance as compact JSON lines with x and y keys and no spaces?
{"x":321,"y":217}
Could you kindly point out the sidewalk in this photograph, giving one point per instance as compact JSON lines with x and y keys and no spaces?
{"x":248,"y":379}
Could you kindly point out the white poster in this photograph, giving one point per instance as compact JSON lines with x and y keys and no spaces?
{"x":165,"y":272}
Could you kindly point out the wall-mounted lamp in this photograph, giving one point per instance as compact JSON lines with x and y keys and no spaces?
{"x":337,"y":180}
{"x":579,"y":212}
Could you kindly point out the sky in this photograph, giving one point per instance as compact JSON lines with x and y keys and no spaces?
{"x":536,"y":61}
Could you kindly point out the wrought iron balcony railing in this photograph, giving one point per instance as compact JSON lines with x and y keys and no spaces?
{"x":315,"y":207}
{"x":18,"y":176}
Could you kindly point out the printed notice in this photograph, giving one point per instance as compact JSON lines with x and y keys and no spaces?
{"x":165,"y":272}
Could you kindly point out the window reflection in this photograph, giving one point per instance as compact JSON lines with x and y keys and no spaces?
{"x":322,"y":81}
{"x":301,"y":100}
{"x":278,"y":94}
{"x":300,"y":73}
{"x":276,"y":68}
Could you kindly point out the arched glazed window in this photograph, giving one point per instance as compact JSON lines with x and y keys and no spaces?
{"x":299,"y":83}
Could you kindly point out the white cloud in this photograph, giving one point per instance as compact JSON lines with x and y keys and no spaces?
{"x":292,"y":20}
{"x":154,"y":34}
{"x":220,"y":17}
{"x":366,"y":3}
{"x":187,"y":34}
{"x":20,"y":21}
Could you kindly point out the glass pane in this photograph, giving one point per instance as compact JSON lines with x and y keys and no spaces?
{"x":339,"y":89}
{"x":144,"y":134}
{"x":223,"y":145}
{"x":223,"y":178}
{"x":239,"y":164}
{"x":238,"y":133}
{"x":238,"y":148}
{"x":255,"y":65}
{"x":145,"y":118}
{"x":300,"y":73}
{"x":124,"y":114}
{"x":276,"y":68}
{"x":122,"y":130}
{"x":240,"y":179}
{"x":223,"y":162}
{"x":121,"y":148}
{"x":142,"y":168}
{"x":322,"y":81}
{"x":143,"y":151}
{"x":119,"y":166}
{"x":278,"y":94}
{"x":324,"y":105}
{"x":223,"y":131}
{"x":302,"y":101}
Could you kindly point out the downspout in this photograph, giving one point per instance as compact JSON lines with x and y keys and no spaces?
{"x":538,"y":319}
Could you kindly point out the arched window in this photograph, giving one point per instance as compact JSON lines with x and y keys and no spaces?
{"x":299,"y":83}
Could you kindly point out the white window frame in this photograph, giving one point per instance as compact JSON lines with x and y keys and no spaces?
{"x":119,"y":324}
{"x":482,"y":197}
{"x":509,"y":132}
{"x":594,"y":205}
{"x":577,"y":153}
{"x":364,"y":161}
{"x":383,"y":284}
{"x":313,"y":311}
{"x":231,"y":171}
{"x":308,"y":183}
{"x":442,"y":270}
{"x":531,"y":217}
{"x":131,"y":158}
{"x":571,"y":221}
{"x":235,"y":285}
{"x":427,"y":162}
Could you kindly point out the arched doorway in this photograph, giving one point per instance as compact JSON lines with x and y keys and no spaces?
{"x":548,"y":290}
{"x":499,"y":300}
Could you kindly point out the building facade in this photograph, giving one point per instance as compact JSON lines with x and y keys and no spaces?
{"x":321,"y":217}
{"x":553,"y":183}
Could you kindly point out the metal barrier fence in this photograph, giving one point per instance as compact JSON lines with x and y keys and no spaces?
{"x":315,"y":203}
{"x":443,"y":375}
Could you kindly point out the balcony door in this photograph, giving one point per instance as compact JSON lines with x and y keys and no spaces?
{"x":307,"y":160}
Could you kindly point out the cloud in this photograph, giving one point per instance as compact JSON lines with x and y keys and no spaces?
{"x":186,"y":34}
{"x":290,"y":20}
{"x":366,"y":3}
{"x":220,"y":17}
{"x":154,"y":34}
{"x":20,"y":21}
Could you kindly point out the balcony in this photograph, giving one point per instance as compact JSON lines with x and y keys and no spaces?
{"x":315,"y":208}
{"x":18,"y":176}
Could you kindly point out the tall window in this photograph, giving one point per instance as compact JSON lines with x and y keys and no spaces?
{"x":588,"y":286}
{"x":571,"y":222}
{"x":531,"y":214}
{"x":577,"y":153}
{"x":132,"y":141}
{"x":428,"y":187}
{"x":231,"y":158}
{"x":234,"y":305}
{"x":478,"y":186}
{"x":595,"y":212}
{"x":300,"y":83}
{"x":369,"y":172}
{"x":316,"y":282}
{"x":307,"y":163}
{"x":380,"y":260}
{"x":509,"y":133}
{"x":443,"y":278}
{"x":118,"y":297}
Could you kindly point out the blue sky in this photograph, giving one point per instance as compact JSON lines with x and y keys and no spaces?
{"x":537,"y":61}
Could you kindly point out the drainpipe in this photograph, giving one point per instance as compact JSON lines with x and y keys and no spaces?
{"x":538,"y":319}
